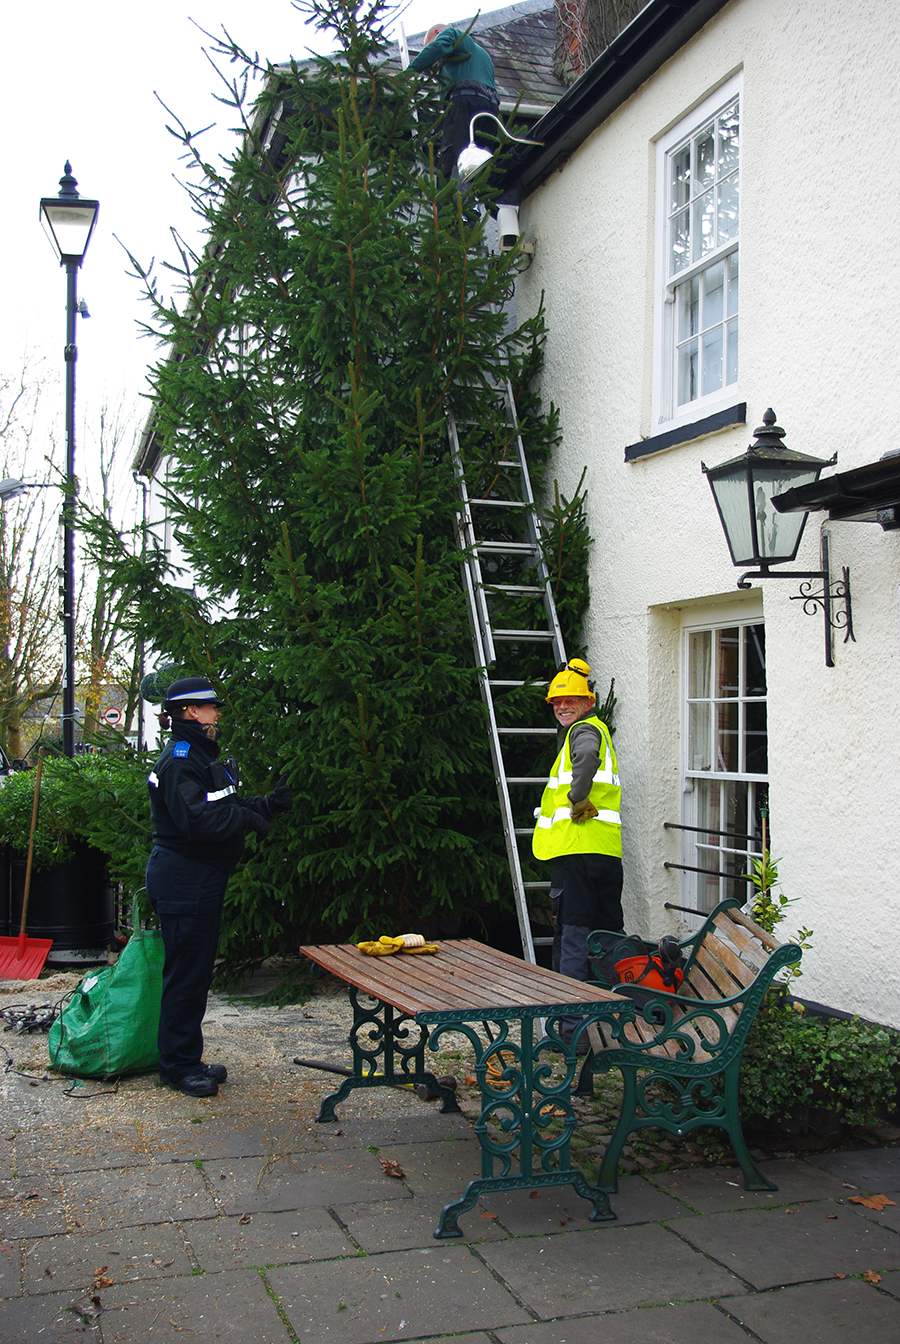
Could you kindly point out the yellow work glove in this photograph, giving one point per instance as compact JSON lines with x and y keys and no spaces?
{"x":384,"y":947}
{"x":584,"y":810}
{"x":407,"y":942}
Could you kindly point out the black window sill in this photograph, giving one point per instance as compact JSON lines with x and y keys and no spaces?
{"x":734,"y":415}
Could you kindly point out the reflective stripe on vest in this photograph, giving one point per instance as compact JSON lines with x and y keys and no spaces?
{"x":555,"y":833}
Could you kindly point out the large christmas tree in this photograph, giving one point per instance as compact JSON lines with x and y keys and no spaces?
{"x":345,"y":299}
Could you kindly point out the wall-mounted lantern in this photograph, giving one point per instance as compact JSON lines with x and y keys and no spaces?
{"x":757,"y":534}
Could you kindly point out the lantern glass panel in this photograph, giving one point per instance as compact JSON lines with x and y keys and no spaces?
{"x":778,"y":534}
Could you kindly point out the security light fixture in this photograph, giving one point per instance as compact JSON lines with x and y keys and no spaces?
{"x":757,"y":534}
{"x":474,"y":157}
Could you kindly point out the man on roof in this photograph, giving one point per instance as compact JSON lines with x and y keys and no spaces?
{"x":466,"y":78}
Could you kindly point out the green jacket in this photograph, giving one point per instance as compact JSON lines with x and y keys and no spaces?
{"x":461,"y":58}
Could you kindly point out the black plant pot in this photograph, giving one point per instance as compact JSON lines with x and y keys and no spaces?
{"x":71,"y":903}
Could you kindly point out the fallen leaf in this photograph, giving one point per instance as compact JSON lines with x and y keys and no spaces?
{"x":850,"y":1186}
{"x":790,"y":1210}
{"x":877,"y":1202}
{"x":390,"y":1167}
{"x":535,"y":1194}
{"x":490,"y":1215}
{"x":245,"y":1218}
{"x":840,"y":1276}
{"x":101,"y":1281}
{"x":871,"y":1277}
{"x":831,"y":1215}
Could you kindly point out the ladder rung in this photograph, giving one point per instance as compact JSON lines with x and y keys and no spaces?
{"x":542,"y":942}
{"x":521,"y":588}
{"x":522,"y":634}
{"x":500,"y":503}
{"x":526,"y":779}
{"x":505,"y":547}
{"x":493,"y":682}
{"x":537,"y":886}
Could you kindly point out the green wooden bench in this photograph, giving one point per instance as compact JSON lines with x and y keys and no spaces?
{"x":680,"y":1054}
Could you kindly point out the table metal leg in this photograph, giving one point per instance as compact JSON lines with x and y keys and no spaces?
{"x":387,"y":1050}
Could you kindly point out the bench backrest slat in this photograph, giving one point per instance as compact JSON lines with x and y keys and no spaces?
{"x":749,"y":947}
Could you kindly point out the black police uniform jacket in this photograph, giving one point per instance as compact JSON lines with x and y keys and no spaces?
{"x":194,"y":801}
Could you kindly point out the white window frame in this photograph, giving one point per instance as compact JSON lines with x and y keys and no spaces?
{"x":693,"y":882}
{"x":665,"y":412}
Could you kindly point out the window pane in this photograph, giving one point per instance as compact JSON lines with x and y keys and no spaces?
{"x":728,"y":740}
{"x":731,"y":284}
{"x":699,"y":656}
{"x":704,"y":159}
{"x":681,"y":178}
{"x":731,"y":356}
{"x":687,"y":372}
{"x":756,"y":744}
{"x":680,"y":253}
{"x":728,"y":209}
{"x":688,"y":308}
{"x":700,"y":739}
{"x":713,"y":295}
{"x":755,"y":659}
{"x":728,"y":138}
{"x":711,"y":373}
{"x":728,"y":661}
{"x":704,"y":224}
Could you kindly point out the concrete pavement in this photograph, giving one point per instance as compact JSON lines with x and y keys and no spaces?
{"x":143,"y":1215}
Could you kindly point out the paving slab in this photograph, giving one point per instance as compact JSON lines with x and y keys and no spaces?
{"x":874,"y":1169}
{"x":720,"y":1189}
{"x":774,"y":1248}
{"x":259,"y":1239}
{"x":136,"y":1195}
{"x":607,"y":1268}
{"x":32,"y":1206}
{"x":890,"y":1283}
{"x":300,"y":1181}
{"x":889,"y":1216}
{"x":427,"y":1126}
{"x":10,"y":1269}
{"x":389,"y":1226}
{"x":204,"y":1307}
{"x":528,"y":1213}
{"x":405,"y":1295}
{"x":210,"y":1138}
{"x":826,"y":1313}
{"x":128,"y":1254}
{"x":83,"y":1148}
{"x":697,"y":1322}
{"x":45,"y":1320}
{"x":437,"y":1171}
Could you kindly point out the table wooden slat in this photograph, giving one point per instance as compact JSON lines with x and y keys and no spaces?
{"x":464,"y":974}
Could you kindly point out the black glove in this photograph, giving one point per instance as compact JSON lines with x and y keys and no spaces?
{"x":257,"y":822}
{"x":280,"y":799}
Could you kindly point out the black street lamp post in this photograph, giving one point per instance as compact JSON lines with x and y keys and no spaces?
{"x":69,"y":222}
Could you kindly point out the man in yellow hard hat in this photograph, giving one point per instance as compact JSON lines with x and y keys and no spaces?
{"x":579,"y":823}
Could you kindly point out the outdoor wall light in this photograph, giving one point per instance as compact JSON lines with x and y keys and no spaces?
{"x":69,"y":223}
{"x":757,"y":534}
{"x":473,"y":157}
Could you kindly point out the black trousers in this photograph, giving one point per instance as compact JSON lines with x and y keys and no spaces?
{"x":188,"y":897}
{"x":586,"y":894}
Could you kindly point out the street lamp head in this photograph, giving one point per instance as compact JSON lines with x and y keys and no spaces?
{"x":743,"y":488}
{"x":68,"y":220}
{"x":473,"y":157}
{"x":10,"y":488}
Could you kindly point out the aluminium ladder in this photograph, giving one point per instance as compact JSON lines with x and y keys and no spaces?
{"x":515,"y":628}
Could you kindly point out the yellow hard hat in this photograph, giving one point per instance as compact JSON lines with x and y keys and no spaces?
{"x":571,"y":679}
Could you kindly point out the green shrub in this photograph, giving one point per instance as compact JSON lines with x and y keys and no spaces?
{"x":792,"y":1059}
{"x":99,"y":799}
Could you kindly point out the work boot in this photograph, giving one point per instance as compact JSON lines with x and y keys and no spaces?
{"x":217,"y":1072}
{"x":197,"y":1083}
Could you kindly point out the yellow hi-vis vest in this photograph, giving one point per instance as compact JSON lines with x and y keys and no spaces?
{"x":555,"y":833}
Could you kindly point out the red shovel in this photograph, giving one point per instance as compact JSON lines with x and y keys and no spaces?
{"x":23,"y":958}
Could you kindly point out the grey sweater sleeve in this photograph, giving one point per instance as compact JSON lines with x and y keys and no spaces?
{"x":584,"y":749}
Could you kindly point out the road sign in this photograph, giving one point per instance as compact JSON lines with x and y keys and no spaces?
{"x":113,"y":716}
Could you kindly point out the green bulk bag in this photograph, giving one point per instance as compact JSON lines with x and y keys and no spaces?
{"x":110,"y":1024}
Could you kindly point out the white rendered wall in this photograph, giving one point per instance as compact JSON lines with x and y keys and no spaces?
{"x":820,"y":342}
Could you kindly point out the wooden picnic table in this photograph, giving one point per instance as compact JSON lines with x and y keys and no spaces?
{"x":405,"y":1003}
